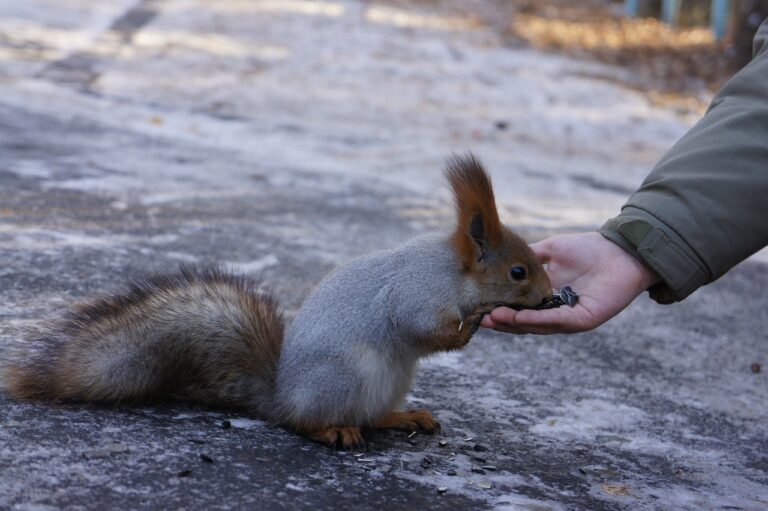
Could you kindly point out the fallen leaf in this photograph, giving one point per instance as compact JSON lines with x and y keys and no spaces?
{"x":620,"y":490}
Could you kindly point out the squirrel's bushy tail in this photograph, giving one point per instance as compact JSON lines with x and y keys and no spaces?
{"x":202,"y":334}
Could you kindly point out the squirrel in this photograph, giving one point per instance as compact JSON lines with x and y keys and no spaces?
{"x":341,"y":367}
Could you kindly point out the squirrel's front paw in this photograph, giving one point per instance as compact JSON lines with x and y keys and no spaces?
{"x":474,"y":318}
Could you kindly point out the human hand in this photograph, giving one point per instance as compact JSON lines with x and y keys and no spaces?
{"x":605,"y":276}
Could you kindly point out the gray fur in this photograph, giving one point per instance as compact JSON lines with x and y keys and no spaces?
{"x":372,"y":314}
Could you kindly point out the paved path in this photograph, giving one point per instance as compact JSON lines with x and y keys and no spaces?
{"x":284,"y":137}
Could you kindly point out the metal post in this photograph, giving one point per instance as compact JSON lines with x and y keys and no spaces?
{"x":720,"y":11}
{"x":670,"y":11}
{"x":631,"y":7}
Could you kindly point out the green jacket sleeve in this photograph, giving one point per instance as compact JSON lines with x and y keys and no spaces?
{"x":704,"y":207}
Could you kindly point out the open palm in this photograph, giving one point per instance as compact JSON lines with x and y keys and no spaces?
{"x":604,"y":275}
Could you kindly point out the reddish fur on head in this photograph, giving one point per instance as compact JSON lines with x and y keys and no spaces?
{"x":487,"y":249}
{"x":475,"y":206}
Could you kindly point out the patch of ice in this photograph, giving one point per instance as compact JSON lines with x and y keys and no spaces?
{"x":30,"y":168}
{"x":404,"y":18}
{"x":589,"y":418}
{"x":277,"y":7}
{"x":243,"y":423}
{"x":512,"y":502}
{"x":444,"y":360}
{"x":499,"y":493}
{"x":182,"y":256}
{"x":760,"y":257}
{"x":254,"y":266}
{"x":295,"y":487}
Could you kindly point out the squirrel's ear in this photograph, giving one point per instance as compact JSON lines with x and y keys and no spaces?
{"x":478,"y":228}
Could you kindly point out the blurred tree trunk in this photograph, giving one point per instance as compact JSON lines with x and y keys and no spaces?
{"x":748,"y":15}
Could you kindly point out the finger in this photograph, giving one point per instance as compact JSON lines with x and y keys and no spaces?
{"x":487,"y":322}
{"x":543,"y":250}
{"x":565,"y":320}
{"x":526,"y":318}
{"x":528,"y":330}
{"x":550,"y":321}
{"x":552,"y":317}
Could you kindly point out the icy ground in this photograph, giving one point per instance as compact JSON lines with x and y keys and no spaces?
{"x":284,"y":137}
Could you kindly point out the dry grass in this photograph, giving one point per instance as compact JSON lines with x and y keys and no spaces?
{"x":671,"y":65}
{"x":662,"y":59}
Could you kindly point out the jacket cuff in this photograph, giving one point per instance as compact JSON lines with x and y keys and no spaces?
{"x":657,"y":246}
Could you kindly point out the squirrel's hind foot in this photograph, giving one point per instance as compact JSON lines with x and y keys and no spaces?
{"x":410,"y":420}
{"x":346,"y":438}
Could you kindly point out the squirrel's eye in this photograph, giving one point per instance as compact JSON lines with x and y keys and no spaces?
{"x":517,"y":272}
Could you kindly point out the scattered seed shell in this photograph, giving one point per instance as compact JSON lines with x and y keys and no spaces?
{"x":413,"y":434}
{"x":451,"y":472}
{"x":486,"y":485}
{"x":226,"y":424}
{"x":756,"y":368}
{"x":442,"y":489}
{"x":184,"y":473}
{"x":480,"y":448}
{"x":206,"y":458}
{"x":616,"y":489}
{"x":443,"y":443}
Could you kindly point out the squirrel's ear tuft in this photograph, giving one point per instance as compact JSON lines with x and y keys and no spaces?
{"x":478,"y":227}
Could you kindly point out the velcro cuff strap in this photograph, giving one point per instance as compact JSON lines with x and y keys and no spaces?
{"x":671,"y":262}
